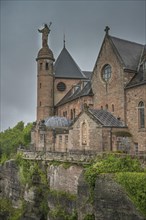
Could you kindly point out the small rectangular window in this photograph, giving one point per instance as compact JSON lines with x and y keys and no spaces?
{"x":66,"y":139}
{"x":47,"y":66}
{"x":60,"y":138}
{"x":41,"y":65}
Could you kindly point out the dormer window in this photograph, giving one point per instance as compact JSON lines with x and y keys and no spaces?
{"x":106,"y":72}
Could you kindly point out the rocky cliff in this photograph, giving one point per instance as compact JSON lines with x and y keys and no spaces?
{"x":67,"y":194}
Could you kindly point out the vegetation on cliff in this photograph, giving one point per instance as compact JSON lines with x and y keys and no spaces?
{"x":127,"y":172}
{"x":12,"y":138}
{"x":8,"y":212}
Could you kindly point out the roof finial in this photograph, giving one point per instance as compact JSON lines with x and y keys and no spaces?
{"x":64,"y":41}
{"x":107,"y":30}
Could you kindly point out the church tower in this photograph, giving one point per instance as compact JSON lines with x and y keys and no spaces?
{"x":45,"y":78}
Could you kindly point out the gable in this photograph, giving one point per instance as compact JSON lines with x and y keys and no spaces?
{"x":84,"y":116}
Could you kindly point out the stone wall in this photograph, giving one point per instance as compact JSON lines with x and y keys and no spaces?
{"x":76,"y":106}
{"x":59,"y":94}
{"x":44,"y":90}
{"x":110,"y":92}
{"x":92,"y":136}
{"x":134,"y":96}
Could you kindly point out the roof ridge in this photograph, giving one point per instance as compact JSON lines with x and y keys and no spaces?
{"x":133,"y":42}
{"x":116,"y":50}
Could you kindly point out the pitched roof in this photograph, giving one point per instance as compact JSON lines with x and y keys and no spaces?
{"x":106,"y":118}
{"x":66,"y":67}
{"x":87,"y":74}
{"x":76,"y":92}
{"x":129,"y":52}
{"x":139,"y":78}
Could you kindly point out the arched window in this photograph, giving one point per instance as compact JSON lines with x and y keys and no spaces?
{"x":84,"y":133}
{"x":141,"y":115}
{"x":113,"y":108}
{"x":106,"y":107}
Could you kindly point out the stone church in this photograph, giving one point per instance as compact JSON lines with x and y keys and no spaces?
{"x":86,"y":113}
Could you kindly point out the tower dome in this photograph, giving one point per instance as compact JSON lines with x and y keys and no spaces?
{"x":57,"y":122}
{"x":45,"y":53}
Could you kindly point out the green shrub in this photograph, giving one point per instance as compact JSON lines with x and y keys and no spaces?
{"x":135,"y":185}
{"x":12,"y":138}
{"x":7,"y":211}
{"x":111,"y":164}
{"x":89,"y":217}
{"x":59,"y":212}
{"x":58,"y":194}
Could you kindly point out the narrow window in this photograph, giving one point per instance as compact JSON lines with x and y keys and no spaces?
{"x":101,"y":107}
{"x":71,"y":114}
{"x":136,"y":148}
{"x":113,"y":109}
{"x":47,"y":66}
{"x":41,"y":65}
{"x":84,"y":133}
{"x":106,"y":106}
{"x":141,"y":115}
{"x":74,"y":113}
{"x":60,"y":139}
{"x":66,"y":139}
{"x":40,"y":103}
{"x":40,"y":85}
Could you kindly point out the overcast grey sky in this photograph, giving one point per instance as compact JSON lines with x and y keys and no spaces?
{"x":83,"y":24}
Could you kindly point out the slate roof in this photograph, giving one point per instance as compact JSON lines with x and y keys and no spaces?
{"x":87,"y":74}
{"x":66,"y":67}
{"x":106,"y":118}
{"x":138,"y":78}
{"x":57,"y":122}
{"x":76,"y":92}
{"x":129,"y":52}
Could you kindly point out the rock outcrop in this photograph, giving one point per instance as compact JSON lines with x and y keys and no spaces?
{"x":68,"y":195}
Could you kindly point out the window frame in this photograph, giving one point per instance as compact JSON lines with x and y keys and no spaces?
{"x":106,"y":72}
{"x":61,"y":86}
{"x":141,"y":115}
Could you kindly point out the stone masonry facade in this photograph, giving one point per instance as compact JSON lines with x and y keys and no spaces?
{"x":117,"y":86}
